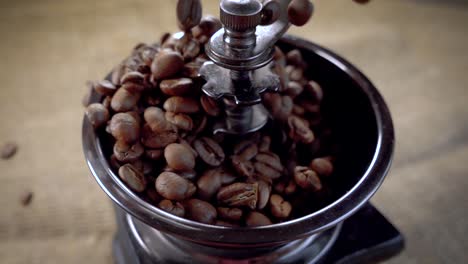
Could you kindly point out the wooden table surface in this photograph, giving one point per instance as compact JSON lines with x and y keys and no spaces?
{"x":414,"y":51}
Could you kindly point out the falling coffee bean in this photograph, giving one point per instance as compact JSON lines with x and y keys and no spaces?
{"x":299,"y":12}
{"x":8,"y":150}
{"x":26,"y":198}
{"x":189,"y":13}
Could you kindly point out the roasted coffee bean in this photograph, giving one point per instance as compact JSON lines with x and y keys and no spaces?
{"x":186,"y":174}
{"x":154,"y":154}
{"x":156,"y":120}
{"x":191,"y":70}
{"x":148,"y":166}
{"x":133,"y":177}
{"x":134,"y":77}
{"x":152,"y":100}
{"x":179,"y":157}
{"x":179,"y":104}
{"x":152,"y":195}
{"x":294,"y":89}
{"x":232,"y":214}
{"x":315,"y":91}
{"x":290,"y":188}
{"x":264,"y":191}
{"x":164,"y":37}
{"x":279,"y":207}
{"x":294,"y":57}
{"x":210,"y":106}
{"x":133,"y":88}
{"x":199,"y":124}
{"x":181,"y":121}
{"x":280,"y":106}
{"x":88,"y":96}
{"x":299,"y":130}
{"x":124,"y":101}
{"x":26,"y":198}
{"x":298,"y":110}
{"x":257,"y":219}
{"x":243,"y":167}
{"x":126,"y":152}
{"x":187,"y":144}
{"x":264,"y":145}
{"x":169,"y":44}
{"x":114,"y":163}
{"x":299,"y":12}
{"x":189,"y":14}
{"x":146,"y":70}
{"x":173,"y":187}
{"x":156,"y":140}
{"x":135,"y":115}
{"x":307,"y":179}
{"x":180,"y":86}
{"x":124,"y":128}
{"x":295,"y":73}
{"x":322,"y":166}
{"x":147,"y":55}
{"x":207,"y":26}
{"x":212,"y":180}
{"x":310,"y":107}
{"x":239,"y":194}
{"x":105,"y":87}
{"x":200,"y":211}
{"x":209,"y":151}
{"x":166,"y":64}
{"x":97,"y":114}
{"x":279,"y":187}
{"x":246,"y":149}
{"x":269,"y":165}
{"x":189,"y":48}
{"x":8,"y":150}
{"x":279,"y":56}
{"x":117,"y":73}
{"x":107,"y":102}
{"x":137,"y":164}
{"x":171,"y":207}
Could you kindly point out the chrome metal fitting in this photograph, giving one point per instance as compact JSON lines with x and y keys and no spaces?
{"x":240,"y":52}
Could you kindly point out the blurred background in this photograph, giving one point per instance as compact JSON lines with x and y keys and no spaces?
{"x":415,"y":51}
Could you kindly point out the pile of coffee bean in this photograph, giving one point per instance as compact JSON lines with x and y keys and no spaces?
{"x":160,"y":125}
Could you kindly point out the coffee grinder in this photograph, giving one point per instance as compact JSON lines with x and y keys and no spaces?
{"x":348,"y":230}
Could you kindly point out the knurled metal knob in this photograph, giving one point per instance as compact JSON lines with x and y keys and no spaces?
{"x":240,"y":15}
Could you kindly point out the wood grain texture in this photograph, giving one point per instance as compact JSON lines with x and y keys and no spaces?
{"x":414,"y":51}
